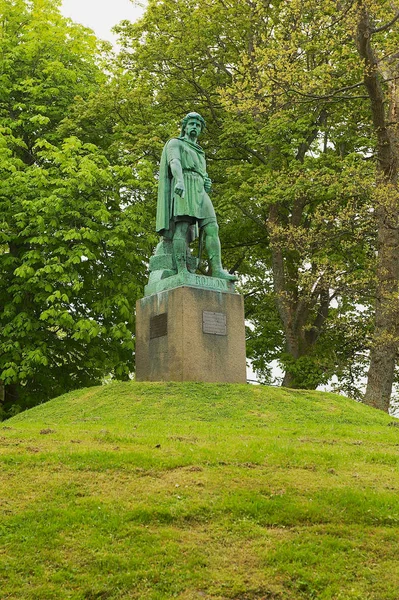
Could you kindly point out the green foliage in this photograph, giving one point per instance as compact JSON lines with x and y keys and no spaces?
{"x":236,"y":492}
{"x":72,"y":253}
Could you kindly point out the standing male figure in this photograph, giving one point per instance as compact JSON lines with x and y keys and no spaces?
{"x":183,"y":201}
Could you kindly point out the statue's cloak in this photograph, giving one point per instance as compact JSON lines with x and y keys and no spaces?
{"x":196,"y":203}
{"x":164,"y":214}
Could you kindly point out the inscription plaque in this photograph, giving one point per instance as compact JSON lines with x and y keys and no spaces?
{"x":214,"y":323}
{"x":212,"y":282}
{"x":159,"y":326}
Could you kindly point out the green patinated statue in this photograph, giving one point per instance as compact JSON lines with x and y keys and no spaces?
{"x":184,"y":208}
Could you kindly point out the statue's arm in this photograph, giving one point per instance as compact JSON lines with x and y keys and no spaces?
{"x":175,"y":165}
{"x":177,"y":172}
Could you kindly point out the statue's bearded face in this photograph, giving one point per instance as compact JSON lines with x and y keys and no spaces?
{"x":193,"y":128}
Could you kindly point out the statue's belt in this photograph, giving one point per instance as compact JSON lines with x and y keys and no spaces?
{"x":194,"y":171}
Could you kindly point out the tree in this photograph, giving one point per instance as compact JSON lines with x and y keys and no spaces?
{"x":377,"y":37}
{"x":286,"y":151}
{"x":72,"y":251}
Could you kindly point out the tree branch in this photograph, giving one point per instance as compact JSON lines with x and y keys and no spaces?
{"x":386,"y":152}
{"x":255,"y":153}
{"x":253,"y":218}
{"x":386,"y":26}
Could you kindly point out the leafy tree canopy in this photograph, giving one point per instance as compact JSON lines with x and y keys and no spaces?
{"x":72,"y":249}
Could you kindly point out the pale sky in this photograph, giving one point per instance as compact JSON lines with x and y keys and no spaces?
{"x":102,"y":15}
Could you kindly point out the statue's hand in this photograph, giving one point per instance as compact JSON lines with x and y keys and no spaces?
{"x":180,"y":190}
{"x":207,"y":184}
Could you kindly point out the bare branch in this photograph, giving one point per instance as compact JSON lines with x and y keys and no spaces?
{"x":386,"y":26}
{"x":250,"y":215}
{"x":330,"y":95}
{"x":255,"y":153}
{"x":305,"y":146}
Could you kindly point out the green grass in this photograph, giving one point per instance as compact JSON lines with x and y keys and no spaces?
{"x":190,"y":491}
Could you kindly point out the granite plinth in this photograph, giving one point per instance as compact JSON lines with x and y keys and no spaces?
{"x":191,"y":334}
{"x":192,"y":280}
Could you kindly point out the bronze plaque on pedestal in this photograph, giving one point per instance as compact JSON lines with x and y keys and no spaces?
{"x":214,"y":323}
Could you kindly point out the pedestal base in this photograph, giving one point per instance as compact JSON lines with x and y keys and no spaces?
{"x":190,"y":280}
{"x":191,"y":334}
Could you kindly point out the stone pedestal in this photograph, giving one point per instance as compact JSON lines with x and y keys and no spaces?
{"x":191,"y":334}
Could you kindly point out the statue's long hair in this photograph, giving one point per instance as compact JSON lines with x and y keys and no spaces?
{"x":191,"y":115}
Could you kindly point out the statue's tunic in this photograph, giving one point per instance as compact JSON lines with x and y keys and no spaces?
{"x":196,"y":202}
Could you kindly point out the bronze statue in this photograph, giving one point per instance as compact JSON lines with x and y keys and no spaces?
{"x":184,"y":208}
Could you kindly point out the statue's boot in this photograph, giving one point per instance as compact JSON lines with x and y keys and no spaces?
{"x":212,"y":245}
{"x":216,"y":265}
{"x":218,"y":271}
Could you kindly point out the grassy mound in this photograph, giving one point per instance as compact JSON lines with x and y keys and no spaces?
{"x":189,"y":491}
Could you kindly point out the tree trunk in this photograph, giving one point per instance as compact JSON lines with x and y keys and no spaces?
{"x":11,"y":394}
{"x":385,"y":118}
{"x":385,"y":340}
{"x":301,"y":332}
